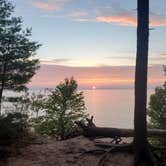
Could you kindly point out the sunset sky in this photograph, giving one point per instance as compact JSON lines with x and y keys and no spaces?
{"x":93,"y":40}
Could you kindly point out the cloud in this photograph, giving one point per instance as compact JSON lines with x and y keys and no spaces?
{"x":49,"y":5}
{"x":120,"y":57}
{"x":78,"y":14}
{"x":117,"y":16}
{"x":161,"y":58}
{"x":157,"y":59}
{"x":107,"y":13}
{"x":157,"y":20}
{"x":106,"y":61}
{"x":54,"y":61}
{"x":163,"y":55}
{"x":130,"y":19}
{"x":121,"y":20}
{"x":102,"y":77}
{"x":45,"y":6}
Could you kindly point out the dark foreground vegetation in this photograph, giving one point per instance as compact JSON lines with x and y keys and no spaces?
{"x":60,"y":112}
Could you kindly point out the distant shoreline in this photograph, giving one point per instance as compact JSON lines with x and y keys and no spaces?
{"x":97,"y":88}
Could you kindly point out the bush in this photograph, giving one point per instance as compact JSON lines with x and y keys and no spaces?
{"x":12,"y":126}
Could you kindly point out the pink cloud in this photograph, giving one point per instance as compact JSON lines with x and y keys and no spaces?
{"x":131,"y":20}
{"x":45,"y":6}
{"x":163,"y":55}
{"x":122,"y":20}
{"x":157,"y":20}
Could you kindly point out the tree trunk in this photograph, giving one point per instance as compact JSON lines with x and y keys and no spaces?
{"x":1,"y":94}
{"x":2,"y":85}
{"x":91,"y":130}
{"x":106,"y":132}
{"x":3,"y":75}
{"x":140,"y":123}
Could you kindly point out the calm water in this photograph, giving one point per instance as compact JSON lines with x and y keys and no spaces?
{"x":112,"y":108}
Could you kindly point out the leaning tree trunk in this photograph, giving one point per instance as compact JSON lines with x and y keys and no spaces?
{"x":140,"y":123}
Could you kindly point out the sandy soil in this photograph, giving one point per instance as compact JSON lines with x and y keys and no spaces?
{"x":65,"y":153}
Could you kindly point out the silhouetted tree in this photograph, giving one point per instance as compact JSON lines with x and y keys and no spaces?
{"x":140,"y":123}
{"x":16,"y":49}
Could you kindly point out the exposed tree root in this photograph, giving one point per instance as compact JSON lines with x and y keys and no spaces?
{"x":148,"y":157}
{"x":105,"y":149}
{"x":145,"y":158}
{"x":104,"y":157}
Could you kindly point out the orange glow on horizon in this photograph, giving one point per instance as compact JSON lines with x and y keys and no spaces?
{"x":104,"y":81}
{"x":50,"y":76}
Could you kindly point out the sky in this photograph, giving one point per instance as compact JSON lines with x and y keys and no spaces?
{"x":92,"y":40}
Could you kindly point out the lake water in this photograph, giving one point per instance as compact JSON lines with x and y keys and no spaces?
{"x":112,"y":108}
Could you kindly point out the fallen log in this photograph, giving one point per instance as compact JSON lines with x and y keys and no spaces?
{"x":91,"y":130}
{"x":115,"y":132}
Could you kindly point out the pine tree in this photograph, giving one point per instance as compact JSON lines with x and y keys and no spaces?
{"x":17,"y":65}
{"x":63,"y":107}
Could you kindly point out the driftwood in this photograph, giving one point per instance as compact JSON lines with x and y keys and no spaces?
{"x":91,"y":130}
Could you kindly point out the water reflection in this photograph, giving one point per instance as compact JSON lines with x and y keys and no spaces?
{"x":114,"y":108}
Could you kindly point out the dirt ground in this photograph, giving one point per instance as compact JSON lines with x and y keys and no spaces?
{"x":65,"y":153}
